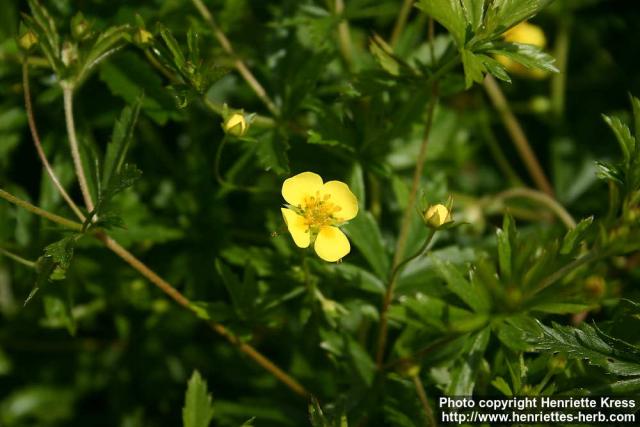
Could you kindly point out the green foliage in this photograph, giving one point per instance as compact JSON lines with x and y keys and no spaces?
{"x":198,"y":408}
{"x":190,"y":265}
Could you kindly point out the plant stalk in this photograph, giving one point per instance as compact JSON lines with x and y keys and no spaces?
{"x":401,"y":21}
{"x":244,"y":71}
{"x":344,"y":35}
{"x":67,"y":92}
{"x":541,"y":198}
{"x":38,"y":144}
{"x":76,"y":226}
{"x":518,"y":136}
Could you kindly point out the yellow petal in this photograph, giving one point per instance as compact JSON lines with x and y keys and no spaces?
{"x":331,"y":244}
{"x":526,"y":33}
{"x":342,"y":197}
{"x":297,"y":227}
{"x":294,"y":189}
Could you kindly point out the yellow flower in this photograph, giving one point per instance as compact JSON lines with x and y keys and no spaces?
{"x":27,"y":40}
{"x":236,"y":125}
{"x":314,"y":212}
{"x":437,"y":215}
{"x":524,"y":33}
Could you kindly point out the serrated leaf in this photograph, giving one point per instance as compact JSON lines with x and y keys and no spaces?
{"x":272,"y":153}
{"x":575,"y":235}
{"x":43,"y":25}
{"x":623,"y":135}
{"x":528,"y":55}
{"x":173,"y":46}
{"x":107,"y":43}
{"x":198,"y":407}
{"x":501,"y":15}
{"x":588,"y":342}
{"x":473,"y":68}
{"x":120,"y":141}
{"x":464,"y":379}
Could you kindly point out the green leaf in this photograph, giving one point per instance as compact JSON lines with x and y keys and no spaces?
{"x":120,"y":142}
{"x":198,"y":406}
{"x":623,"y":136}
{"x":506,"y":240}
{"x":450,"y":14}
{"x":383,"y":53}
{"x":243,"y":293}
{"x":272,"y":153}
{"x":173,"y":46}
{"x":574,"y":236}
{"x":53,"y":264}
{"x":501,"y":15}
{"x":43,"y":25}
{"x":588,"y":342}
{"x":356,"y":183}
{"x":473,"y":295}
{"x":561,"y":307}
{"x":365,"y":234}
{"x":526,"y":54}
{"x":464,"y":379}
{"x":473,"y":68}
{"x":635,"y":103}
{"x":107,"y":43}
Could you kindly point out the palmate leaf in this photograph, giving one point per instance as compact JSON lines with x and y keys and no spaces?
{"x":590,"y":343}
{"x":198,"y":406}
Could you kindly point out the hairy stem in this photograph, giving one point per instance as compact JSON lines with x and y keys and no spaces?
{"x":541,"y":198}
{"x":244,"y":71}
{"x":401,"y":21}
{"x":518,"y":136}
{"x":67,"y":92}
{"x":40,"y":212}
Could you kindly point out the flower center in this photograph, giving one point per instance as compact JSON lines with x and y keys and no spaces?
{"x":318,"y":210}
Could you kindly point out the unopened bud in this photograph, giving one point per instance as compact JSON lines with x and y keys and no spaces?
{"x":236,"y":125}
{"x":142,"y":37}
{"x":27,"y":40}
{"x":437,"y":215}
{"x":80,"y":27}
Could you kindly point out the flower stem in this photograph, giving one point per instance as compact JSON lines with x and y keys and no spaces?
{"x":518,"y":136}
{"x":422,"y":395}
{"x":38,"y":144}
{"x":40,"y":212}
{"x":17,"y":258}
{"x":541,"y":198}
{"x":216,"y":171}
{"x":561,"y":53}
{"x":388,"y":297}
{"x":67,"y":92}
{"x":244,"y":71}
{"x":401,"y":21}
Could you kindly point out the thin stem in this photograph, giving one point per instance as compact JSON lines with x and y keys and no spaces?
{"x":238,"y":63}
{"x":541,"y":198}
{"x":422,"y":395}
{"x":518,"y":136}
{"x":388,"y":297}
{"x":561,"y":53}
{"x":344,"y":35}
{"x":40,"y":212}
{"x":216,"y":171}
{"x":497,"y":153}
{"x":401,"y":21}
{"x":38,"y":144}
{"x":67,"y":92}
{"x":183,"y":301}
{"x":17,"y":258}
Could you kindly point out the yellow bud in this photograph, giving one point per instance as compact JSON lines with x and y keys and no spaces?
{"x":437,"y":215}
{"x":236,"y":125}
{"x":27,"y":40}
{"x":142,"y":36}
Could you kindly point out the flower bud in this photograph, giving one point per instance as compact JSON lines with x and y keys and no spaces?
{"x":437,"y":215}
{"x":80,"y":27}
{"x":142,"y":37}
{"x":236,"y":125}
{"x":27,"y":40}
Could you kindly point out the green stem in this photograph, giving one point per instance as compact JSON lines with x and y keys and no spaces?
{"x":497,"y":153}
{"x":216,"y":170}
{"x":67,"y":92}
{"x":517,"y":134}
{"x":344,"y":35}
{"x":244,"y":71}
{"x":388,"y":297}
{"x":541,"y":198}
{"x":401,"y":21}
{"x":561,"y":53}
{"x":76,"y":226}
{"x":36,"y":140}
{"x":17,"y":258}
{"x":422,"y":395}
